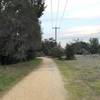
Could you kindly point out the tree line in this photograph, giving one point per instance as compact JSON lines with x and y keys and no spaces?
{"x":51,"y":48}
{"x":20,"y":30}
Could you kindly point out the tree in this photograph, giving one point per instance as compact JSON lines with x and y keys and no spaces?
{"x":69,"y":52}
{"x":94,"y":45}
{"x":58,"y":51}
{"x":38,"y":6}
{"x":51,"y":48}
{"x":20,"y":31}
{"x":80,"y":47}
{"x":48,"y":45}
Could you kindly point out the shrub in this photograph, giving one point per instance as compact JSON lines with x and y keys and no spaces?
{"x":69,"y":52}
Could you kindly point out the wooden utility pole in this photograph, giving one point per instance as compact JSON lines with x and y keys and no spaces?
{"x":56,"y":32}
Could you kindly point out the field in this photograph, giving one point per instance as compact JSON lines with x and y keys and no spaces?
{"x":81,"y":77}
{"x":11,"y":74}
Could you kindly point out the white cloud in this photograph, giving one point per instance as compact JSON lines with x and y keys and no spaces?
{"x":81,"y":37}
{"x":55,"y":5}
{"x":75,"y":8}
{"x":74,"y":3}
{"x":84,"y":11}
{"x":82,"y":30}
{"x":83,"y":33}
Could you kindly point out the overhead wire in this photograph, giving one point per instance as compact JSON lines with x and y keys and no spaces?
{"x":56,"y":27}
{"x":63,"y":14}
{"x":51,"y":9}
{"x":57,"y":15}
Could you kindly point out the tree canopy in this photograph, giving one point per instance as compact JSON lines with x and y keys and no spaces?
{"x":20,"y":31}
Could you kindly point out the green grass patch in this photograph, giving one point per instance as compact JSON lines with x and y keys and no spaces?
{"x":81,"y":77}
{"x":11,"y":74}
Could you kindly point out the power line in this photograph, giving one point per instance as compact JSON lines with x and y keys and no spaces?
{"x":51,"y":15}
{"x":57,"y":16}
{"x":66,"y":2}
{"x":56,"y":22}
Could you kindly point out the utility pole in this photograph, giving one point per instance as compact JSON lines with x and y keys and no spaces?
{"x":56,"y":32}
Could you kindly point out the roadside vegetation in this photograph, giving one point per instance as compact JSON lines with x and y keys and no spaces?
{"x":52,"y":49}
{"x":20,"y":39}
{"x":79,"y":63}
{"x":81,"y":77}
{"x":55,"y":50}
{"x":20,"y":30}
{"x":11,"y":74}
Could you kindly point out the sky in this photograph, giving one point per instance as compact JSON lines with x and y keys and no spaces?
{"x":76,"y":19}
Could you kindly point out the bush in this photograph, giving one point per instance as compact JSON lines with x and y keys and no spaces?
{"x":69,"y":52}
{"x":51,"y":48}
{"x":58,"y":52}
{"x":94,"y":45}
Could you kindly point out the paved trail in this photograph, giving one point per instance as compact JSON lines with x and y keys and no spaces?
{"x":43,"y":84}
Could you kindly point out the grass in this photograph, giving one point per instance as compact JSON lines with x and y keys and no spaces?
{"x":81,"y":77}
{"x":11,"y":74}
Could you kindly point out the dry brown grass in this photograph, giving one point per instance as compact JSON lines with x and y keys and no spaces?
{"x":82,"y":77}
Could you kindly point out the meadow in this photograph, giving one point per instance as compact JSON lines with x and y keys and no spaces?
{"x":81,"y":77}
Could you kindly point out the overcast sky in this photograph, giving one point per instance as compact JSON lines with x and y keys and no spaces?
{"x":81,"y":20}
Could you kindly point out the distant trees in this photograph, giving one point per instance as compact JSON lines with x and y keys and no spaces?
{"x":69,"y":52}
{"x":91,"y":47}
{"x":81,"y":47}
{"x":48,"y":45}
{"x":58,"y":51}
{"x":20,"y":31}
{"x":94,"y":46}
{"x":51,"y":48}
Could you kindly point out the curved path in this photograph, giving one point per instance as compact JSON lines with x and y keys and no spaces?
{"x":43,"y":84}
